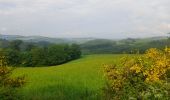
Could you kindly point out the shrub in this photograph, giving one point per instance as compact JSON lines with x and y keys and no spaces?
{"x":141,"y":77}
{"x":8,"y":85}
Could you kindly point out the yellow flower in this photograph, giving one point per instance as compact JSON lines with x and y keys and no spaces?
{"x":150,"y":69}
{"x":136,"y":68}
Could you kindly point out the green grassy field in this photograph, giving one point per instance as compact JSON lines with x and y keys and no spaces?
{"x":81,"y":79}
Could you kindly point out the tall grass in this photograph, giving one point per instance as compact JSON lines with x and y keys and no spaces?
{"x":77,"y":80}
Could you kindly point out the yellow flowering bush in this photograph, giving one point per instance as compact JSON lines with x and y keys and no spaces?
{"x":8,"y":84}
{"x":141,"y":77}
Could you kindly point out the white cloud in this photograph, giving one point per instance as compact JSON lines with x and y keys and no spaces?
{"x":98,"y":18}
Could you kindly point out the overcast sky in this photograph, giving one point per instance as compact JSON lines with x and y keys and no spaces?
{"x":85,"y":18}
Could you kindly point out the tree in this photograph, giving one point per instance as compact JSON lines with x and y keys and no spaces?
{"x":56,"y":55}
{"x":29,"y":47}
{"x":39,"y":56}
{"x":15,"y":45}
{"x":26,"y":59}
{"x":21,"y":53}
{"x":13,"y":57}
{"x":75,"y":51}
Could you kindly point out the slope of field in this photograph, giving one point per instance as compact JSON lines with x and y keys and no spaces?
{"x":77,"y":80}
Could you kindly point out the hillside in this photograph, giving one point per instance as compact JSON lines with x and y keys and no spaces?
{"x":77,"y":80}
{"x":100,"y":46}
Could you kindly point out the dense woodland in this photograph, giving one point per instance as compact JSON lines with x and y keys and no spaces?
{"x":38,"y":54}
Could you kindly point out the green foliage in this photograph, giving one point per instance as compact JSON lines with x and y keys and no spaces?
{"x":51,"y":55}
{"x":39,"y":54}
{"x":74,"y":51}
{"x":15,"y":45}
{"x":8,"y":85}
{"x":56,"y":55}
{"x":13,"y":57}
{"x":29,"y":46}
{"x":27,"y":59}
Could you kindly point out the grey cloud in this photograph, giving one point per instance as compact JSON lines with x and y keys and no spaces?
{"x":85,"y":18}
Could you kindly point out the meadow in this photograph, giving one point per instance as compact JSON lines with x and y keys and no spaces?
{"x":80,"y":79}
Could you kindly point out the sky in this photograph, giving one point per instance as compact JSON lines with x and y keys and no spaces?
{"x":85,"y":18}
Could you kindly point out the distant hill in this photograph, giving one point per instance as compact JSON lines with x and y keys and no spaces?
{"x":48,"y":39}
{"x":100,"y":46}
{"x":10,"y":37}
{"x":74,"y":40}
{"x":97,"y":46}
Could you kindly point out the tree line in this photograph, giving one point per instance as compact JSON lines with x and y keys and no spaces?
{"x":21,"y":53}
{"x":125,"y":46}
